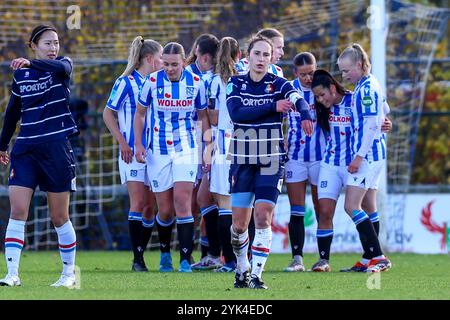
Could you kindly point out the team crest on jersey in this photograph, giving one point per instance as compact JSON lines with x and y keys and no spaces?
{"x":348,"y":111}
{"x":190,"y":92}
{"x":244,"y":87}
{"x":269,"y":88}
{"x":27,"y":74}
{"x":229,"y":88}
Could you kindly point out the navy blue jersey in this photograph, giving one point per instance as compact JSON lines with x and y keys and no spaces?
{"x":258,"y":136}
{"x":40,"y":97}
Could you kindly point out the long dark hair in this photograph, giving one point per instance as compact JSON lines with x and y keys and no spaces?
{"x":323,"y":78}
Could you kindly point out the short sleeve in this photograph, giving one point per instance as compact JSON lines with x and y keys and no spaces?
{"x":145,"y":95}
{"x":370,"y":99}
{"x":118,"y":94}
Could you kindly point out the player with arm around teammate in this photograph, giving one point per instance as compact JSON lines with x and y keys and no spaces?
{"x":256,"y":103}
{"x":368,"y":152}
{"x":42,"y":155}
{"x":171,"y":95}
{"x":144,"y":58}
{"x":304,"y":156}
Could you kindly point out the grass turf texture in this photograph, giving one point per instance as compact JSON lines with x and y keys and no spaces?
{"x":107,"y":275}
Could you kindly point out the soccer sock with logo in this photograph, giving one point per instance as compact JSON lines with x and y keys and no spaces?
{"x":135,"y":229}
{"x":14,"y":242}
{"x":225,"y":222}
{"x":67,"y":246}
{"x":297,"y":230}
{"x":367,"y":235}
{"x":147,"y":228}
{"x":260,"y":250}
{"x":164,"y":233}
{"x":375,"y":219}
{"x":324,"y":239}
{"x":211,"y":215}
{"x":185,"y":229}
{"x":240,"y":242}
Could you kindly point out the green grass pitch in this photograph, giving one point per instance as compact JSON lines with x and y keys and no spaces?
{"x":107,"y":275}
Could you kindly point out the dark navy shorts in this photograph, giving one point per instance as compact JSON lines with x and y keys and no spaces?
{"x":49,"y":165}
{"x":255,"y":183}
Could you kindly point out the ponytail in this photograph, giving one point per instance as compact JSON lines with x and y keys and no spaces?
{"x":226,"y":58}
{"x":139,"y":49}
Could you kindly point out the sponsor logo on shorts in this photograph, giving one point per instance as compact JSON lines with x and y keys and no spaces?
{"x":73,"y":184}
{"x":155,"y":183}
{"x":133,"y":173}
{"x":289,"y":174}
{"x":191,"y":173}
{"x":323,"y":184}
{"x":12,"y":174}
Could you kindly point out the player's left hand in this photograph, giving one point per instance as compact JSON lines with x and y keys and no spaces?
{"x":387,"y":125}
{"x":4,"y":158}
{"x":353,"y":167}
{"x":20,"y":63}
{"x":307,"y":127}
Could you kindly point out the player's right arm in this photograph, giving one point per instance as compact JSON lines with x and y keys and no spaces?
{"x":12,"y":116}
{"x":113,"y":105}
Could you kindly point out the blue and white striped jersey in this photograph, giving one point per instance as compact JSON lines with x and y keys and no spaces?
{"x":300,"y":146}
{"x":172,"y":107}
{"x":242,"y":68}
{"x":123,"y":100}
{"x":339,"y":148}
{"x":257,"y":136}
{"x":217,"y":92}
{"x":40,"y":96}
{"x":368,"y":101}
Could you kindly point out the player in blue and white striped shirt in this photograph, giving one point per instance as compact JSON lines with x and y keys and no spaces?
{"x":42,"y":155}
{"x":172,"y":95}
{"x":145,"y":58}
{"x":368,"y":149}
{"x":201,"y":62}
{"x":304,"y":154}
{"x":227,"y":57}
{"x":278,"y":45}
{"x":256,"y":103}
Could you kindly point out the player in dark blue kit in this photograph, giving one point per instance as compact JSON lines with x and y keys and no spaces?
{"x":42,"y":155}
{"x":256,"y":103}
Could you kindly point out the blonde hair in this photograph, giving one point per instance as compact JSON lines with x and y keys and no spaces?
{"x":226,"y":58}
{"x":357,"y":54}
{"x":139,"y":49}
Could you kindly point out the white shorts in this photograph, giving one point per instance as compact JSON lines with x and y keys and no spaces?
{"x":220,"y":171}
{"x":368,"y":175}
{"x":133,"y":171}
{"x":332,"y":180}
{"x":298,"y":171}
{"x":164,"y":170}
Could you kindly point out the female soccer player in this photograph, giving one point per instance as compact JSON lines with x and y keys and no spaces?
{"x":333,"y":107}
{"x":256,"y":103}
{"x":144,"y":58}
{"x":227,"y":58}
{"x":368,"y":151}
{"x":201,"y":62}
{"x":304,"y":154}
{"x":277,"y":39}
{"x":172,"y":94}
{"x":42,"y":155}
